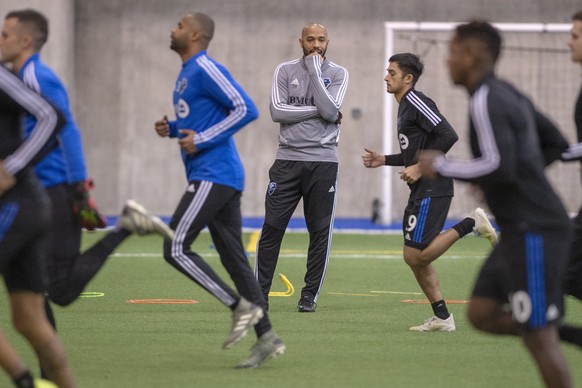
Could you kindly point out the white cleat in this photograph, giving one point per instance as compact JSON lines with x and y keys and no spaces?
{"x":267,"y":347}
{"x":436,"y":324}
{"x":483,"y":226}
{"x":244,"y":316}
{"x":136,"y":218}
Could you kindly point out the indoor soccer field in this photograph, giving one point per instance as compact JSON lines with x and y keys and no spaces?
{"x":142,"y":324}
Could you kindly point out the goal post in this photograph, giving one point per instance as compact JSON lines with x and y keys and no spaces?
{"x":534,"y":57}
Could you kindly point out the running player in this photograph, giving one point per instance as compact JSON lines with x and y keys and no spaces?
{"x":421,"y":126}
{"x":573,"y":283}
{"x":24,"y":223}
{"x":62,"y":171}
{"x":210,"y":108}
{"x":525,"y":271}
{"x":306,"y":98}
{"x":574,"y":274}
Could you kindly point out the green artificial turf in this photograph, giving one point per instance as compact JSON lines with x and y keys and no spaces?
{"x":358,"y":337}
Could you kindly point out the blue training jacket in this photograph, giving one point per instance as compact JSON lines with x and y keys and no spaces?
{"x":65,"y":164}
{"x":209,"y":101}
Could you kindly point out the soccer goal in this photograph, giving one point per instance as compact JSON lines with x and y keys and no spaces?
{"x":534,"y":57}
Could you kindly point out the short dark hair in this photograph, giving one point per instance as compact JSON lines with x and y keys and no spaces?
{"x":34,"y":20}
{"x":484,"y":32}
{"x":577,"y":16}
{"x":206,"y":24}
{"x":409,"y":64}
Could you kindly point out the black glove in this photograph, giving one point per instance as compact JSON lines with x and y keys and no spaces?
{"x":84,"y":206}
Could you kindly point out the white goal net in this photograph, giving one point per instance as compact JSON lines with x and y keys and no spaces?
{"x":535,"y":58}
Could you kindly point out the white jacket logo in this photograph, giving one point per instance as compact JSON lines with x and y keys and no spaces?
{"x":403,"y":141}
{"x":182,"y":109}
{"x":181,"y":85}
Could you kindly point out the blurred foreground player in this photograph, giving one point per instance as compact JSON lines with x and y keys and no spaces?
{"x":519,"y":288}
{"x":573,"y":281}
{"x":24,"y":225}
{"x":62,"y":171}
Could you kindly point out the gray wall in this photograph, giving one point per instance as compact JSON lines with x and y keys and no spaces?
{"x":114,"y":56}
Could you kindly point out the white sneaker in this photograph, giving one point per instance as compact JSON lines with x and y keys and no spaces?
{"x":436,"y":324}
{"x":483,"y":226}
{"x":136,"y":218}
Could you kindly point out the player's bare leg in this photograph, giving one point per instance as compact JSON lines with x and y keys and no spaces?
{"x":419,"y":262}
{"x":544,"y":345}
{"x":10,"y":361}
{"x":428,"y":280}
{"x":30,"y":320}
{"x":488,"y":315}
{"x":439,"y":245}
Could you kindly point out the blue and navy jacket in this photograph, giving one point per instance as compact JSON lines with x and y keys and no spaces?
{"x":65,"y":164}
{"x":209,"y":101}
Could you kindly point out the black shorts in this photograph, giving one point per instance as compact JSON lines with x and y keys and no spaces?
{"x":526,"y":270}
{"x":24,"y":222}
{"x":424,"y":219}
{"x":289,"y":181}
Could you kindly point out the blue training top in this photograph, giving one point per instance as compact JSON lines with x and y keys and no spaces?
{"x":65,"y":164}
{"x":209,"y":101}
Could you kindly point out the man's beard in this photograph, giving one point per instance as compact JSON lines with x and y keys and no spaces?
{"x":320,"y":52}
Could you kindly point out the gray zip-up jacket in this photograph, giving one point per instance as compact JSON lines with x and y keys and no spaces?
{"x":306,"y":99}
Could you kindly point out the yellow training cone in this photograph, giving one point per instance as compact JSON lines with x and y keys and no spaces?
{"x":42,"y":383}
{"x":252,"y":245}
{"x":290,"y":290}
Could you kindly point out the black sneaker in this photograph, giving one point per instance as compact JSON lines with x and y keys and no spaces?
{"x":306,"y":305}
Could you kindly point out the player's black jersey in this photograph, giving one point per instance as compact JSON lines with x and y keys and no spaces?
{"x":10,"y":117}
{"x":509,"y":163}
{"x":421,"y":127}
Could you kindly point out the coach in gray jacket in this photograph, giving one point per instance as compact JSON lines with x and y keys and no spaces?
{"x":306,"y":99}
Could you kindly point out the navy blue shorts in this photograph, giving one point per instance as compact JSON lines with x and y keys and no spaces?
{"x":424,"y":219}
{"x":526,"y":270}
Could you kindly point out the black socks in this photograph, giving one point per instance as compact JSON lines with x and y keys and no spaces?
{"x":465,"y":227}
{"x":571,"y":334}
{"x":24,"y":381}
{"x":440,"y":309}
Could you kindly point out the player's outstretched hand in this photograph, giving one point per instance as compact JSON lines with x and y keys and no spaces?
{"x":372,"y":159}
{"x":162,"y":127}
